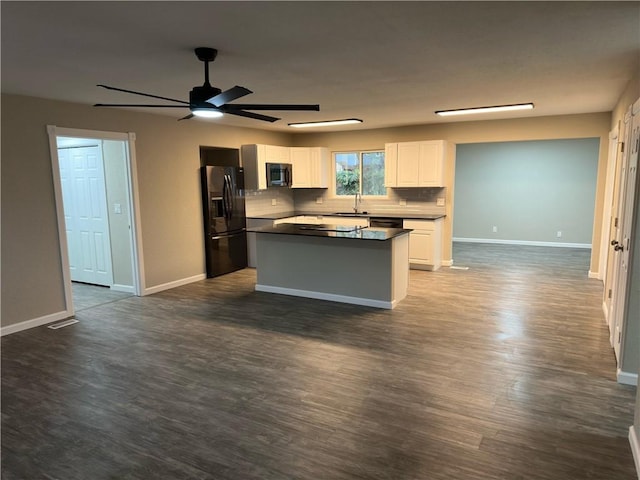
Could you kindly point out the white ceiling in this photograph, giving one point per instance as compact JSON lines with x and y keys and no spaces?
{"x":388,"y":63}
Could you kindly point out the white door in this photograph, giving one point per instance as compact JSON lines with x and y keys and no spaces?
{"x":614,"y":224}
{"x":85,"y":211}
{"x":624,"y":241}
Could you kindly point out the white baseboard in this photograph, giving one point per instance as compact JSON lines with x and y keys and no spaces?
{"x":35,"y":322}
{"x":447,"y":263}
{"x":174,"y":284}
{"x":332,"y":297}
{"x":123,"y":288}
{"x":521,"y":242}
{"x":627,"y":378}
{"x":635,"y":448}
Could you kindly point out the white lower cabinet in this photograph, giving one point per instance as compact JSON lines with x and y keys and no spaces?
{"x":425,"y":244}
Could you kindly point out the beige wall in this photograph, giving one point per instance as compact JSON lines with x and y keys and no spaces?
{"x":168,"y":159}
{"x":537,"y":128}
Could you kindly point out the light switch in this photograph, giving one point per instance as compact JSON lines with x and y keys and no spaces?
{"x":440,"y":201}
{"x":319,"y":200}
{"x":117,"y":208}
{"x":403,"y":202}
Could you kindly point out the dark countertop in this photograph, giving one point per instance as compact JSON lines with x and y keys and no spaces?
{"x":333,"y":231}
{"x":408,"y":215}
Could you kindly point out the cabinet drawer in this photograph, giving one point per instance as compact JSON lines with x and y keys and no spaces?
{"x":420,"y":224}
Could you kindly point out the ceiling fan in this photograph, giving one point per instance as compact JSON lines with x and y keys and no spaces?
{"x":209,"y":101}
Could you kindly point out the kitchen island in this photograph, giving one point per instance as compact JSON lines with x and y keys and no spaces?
{"x":349,"y":264}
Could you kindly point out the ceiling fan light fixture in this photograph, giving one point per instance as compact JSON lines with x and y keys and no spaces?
{"x":206,"y":113}
{"x":326,"y":123}
{"x":493,"y":109}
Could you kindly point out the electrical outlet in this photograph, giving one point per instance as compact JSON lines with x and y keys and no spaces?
{"x":274,"y":202}
{"x":440,"y":201}
{"x":403,"y":202}
{"x":319,"y":200}
{"x":117,"y":208}
{"x":495,"y":229}
{"x":559,"y":234}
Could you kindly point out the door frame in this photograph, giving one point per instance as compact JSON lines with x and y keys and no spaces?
{"x":627,"y":210}
{"x":133,"y":198}
{"x":612,"y":163}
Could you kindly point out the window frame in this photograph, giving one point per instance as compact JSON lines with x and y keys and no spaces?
{"x":360,"y":153}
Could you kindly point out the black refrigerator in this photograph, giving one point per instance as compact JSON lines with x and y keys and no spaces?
{"x":225,"y":235}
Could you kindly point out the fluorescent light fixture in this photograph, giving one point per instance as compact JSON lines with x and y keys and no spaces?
{"x":206,"y":112}
{"x":326,"y":123}
{"x":494,"y":109}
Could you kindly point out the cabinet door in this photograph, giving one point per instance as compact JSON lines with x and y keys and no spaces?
{"x":408,"y":164}
{"x":255,"y":166}
{"x":421,"y":246}
{"x":431,"y":163}
{"x":277,"y":154}
{"x":425,"y":243}
{"x":310,"y":167}
{"x":301,"y":161}
{"x":391,"y":165}
{"x":319,"y":160}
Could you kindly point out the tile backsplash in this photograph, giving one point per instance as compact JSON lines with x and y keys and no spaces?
{"x":399,"y":200}
{"x":261,"y":202}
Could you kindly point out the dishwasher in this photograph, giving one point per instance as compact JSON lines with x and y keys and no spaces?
{"x":385,"y":222}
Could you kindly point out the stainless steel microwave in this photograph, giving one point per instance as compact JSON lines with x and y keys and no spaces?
{"x":279,"y":174}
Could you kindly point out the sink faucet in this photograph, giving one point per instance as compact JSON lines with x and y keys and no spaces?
{"x":355,"y":204}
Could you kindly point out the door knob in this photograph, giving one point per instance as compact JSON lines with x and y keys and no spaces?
{"x":614,"y":242}
{"x":618,"y":248}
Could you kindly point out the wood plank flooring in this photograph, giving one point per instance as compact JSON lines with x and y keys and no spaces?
{"x":88,"y":296}
{"x":501,"y":371}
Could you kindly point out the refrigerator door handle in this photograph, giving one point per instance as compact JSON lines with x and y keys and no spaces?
{"x":229,"y":195}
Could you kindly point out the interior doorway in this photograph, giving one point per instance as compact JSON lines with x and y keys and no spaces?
{"x":86,"y":211}
{"x":96,"y":203}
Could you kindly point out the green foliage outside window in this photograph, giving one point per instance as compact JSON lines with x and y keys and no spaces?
{"x":360,"y":172}
{"x":348,"y":182}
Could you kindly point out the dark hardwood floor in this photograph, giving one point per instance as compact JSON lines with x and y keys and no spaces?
{"x":88,"y":296}
{"x":502,"y":371}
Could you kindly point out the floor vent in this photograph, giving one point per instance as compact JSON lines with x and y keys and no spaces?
{"x":453,"y":267}
{"x":66,"y":323}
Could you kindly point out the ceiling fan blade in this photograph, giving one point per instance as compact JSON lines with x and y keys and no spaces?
{"x":191,"y":115}
{"x":255,"y":116}
{"x":138,"y":105}
{"x":229,"y":96}
{"x":143,"y":94}
{"x":275,"y":106}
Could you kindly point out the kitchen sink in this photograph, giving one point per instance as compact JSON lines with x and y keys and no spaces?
{"x":351,"y":214}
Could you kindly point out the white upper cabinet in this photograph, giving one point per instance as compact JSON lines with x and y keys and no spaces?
{"x":277,"y":154}
{"x":415,"y":164}
{"x":254,"y":160}
{"x":391,"y":165}
{"x":310,"y":167}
